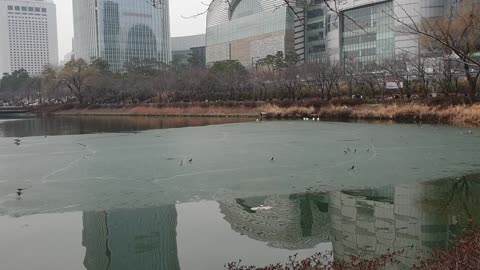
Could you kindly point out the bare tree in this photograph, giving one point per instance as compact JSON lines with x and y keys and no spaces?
{"x":397,"y":68}
{"x":74,"y":76}
{"x":327,"y":76}
{"x":371,"y":79}
{"x":457,"y":34}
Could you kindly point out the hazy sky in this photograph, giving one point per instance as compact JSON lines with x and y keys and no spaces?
{"x":179,"y":26}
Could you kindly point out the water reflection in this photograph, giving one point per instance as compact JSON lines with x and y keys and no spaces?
{"x":367,"y":222}
{"x":69,"y":125}
{"x":413,"y":218}
{"x":298,"y":221}
{"x":140,"y":239}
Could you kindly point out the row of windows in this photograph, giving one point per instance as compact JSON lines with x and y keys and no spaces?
{"x":366,"y":33}
{"x":26,"y":18}
{"x":30,"y":9}
{"x":32,"y":15}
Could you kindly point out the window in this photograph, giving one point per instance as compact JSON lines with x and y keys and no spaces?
{"x":314,"y":13}
{"x":314,"y":26}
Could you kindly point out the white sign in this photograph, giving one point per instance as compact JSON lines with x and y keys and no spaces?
{"x":394,"y":85}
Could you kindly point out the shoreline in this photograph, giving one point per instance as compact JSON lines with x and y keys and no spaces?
{"x":456,"y":115}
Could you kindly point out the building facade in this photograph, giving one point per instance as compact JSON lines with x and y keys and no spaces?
{"x":365,"y":31}
{"x":140,"y":239}
{"x":189,"y":48}
{"x":247,"y":30}
{"x":120,"y":30}
{"x":28,"y":35}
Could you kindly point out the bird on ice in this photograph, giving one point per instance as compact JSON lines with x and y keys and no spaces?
{"x":20,"y":191}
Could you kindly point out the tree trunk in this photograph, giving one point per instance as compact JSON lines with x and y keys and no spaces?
{"x":472,"y":83}
{"x":350,"y":88}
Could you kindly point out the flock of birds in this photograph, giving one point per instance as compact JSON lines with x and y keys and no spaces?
{"x":313,"y":119}
{"x":20,"y":191}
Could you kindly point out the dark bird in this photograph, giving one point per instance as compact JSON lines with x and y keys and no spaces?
{"x":368,"y":150}
{"x":190,"y":160}
{"x":345,"y":152}
{"x":355,"y":151}
{"x":353,"y":168}
{"x":17,"y":142}
{"x":20,"y":191}
{"x":272,"y":159}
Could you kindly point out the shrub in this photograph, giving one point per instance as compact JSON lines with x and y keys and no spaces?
{"x":321,"y":261}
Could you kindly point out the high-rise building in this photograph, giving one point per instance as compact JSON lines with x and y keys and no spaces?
{"x":121,"y":30}
{"x":141,"y":239}
{"x":189,"y":48}
{"x":28,"y":35}
{"x":364,"y":30}
{"x":247,"y":30}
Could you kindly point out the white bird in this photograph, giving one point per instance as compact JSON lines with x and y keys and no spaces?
{"x":318,"y":119}
{"x":181,"y":163}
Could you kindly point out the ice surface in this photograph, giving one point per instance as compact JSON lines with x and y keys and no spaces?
{"x":126,"y":170}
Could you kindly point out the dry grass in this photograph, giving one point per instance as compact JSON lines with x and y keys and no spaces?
{"x":167,"y":111}
{"x":460,"y":115}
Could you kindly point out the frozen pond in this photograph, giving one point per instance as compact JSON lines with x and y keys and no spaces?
{"x":116,"y":199}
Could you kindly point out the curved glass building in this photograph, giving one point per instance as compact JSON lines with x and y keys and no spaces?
{"x":247,"y":30}
{"x":361,"y":30}
{"x":121,"y":30}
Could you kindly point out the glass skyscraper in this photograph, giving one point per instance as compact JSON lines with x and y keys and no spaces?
{"x":364,"y":31}
{"x":360,"y":30}
{"x":121,"y":30}
{"x":247,"y":30}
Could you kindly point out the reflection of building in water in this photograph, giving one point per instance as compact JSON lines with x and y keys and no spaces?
{"x":366,"y":223}
{"x":295,"y":222}
{"x":410,"y":217}
{"x":137,"y":239}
